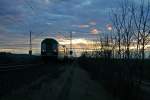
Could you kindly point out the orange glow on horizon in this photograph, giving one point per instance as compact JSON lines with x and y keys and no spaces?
{"x":84,"y":26}
{"x":95,"y":31}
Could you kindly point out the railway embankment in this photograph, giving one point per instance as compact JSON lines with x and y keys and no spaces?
{"x":7,"y":59}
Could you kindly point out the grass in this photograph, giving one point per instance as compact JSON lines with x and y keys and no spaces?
{"x":120,"y":77}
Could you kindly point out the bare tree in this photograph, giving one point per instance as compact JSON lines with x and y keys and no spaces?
{"x":127,"y":25}
{"x":113,"y":44}
{"x":122,"y":20}
{"x":116,"y":20}
{"x":145,"y":31}
{"x":132,"y":20}
{"x":141,"y":16}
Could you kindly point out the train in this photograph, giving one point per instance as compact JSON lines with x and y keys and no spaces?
{"x":51,"y":49}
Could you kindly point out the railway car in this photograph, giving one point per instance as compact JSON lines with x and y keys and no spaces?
{"x":51,"y":49}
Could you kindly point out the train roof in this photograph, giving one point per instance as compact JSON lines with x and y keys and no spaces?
{"x":49,"y":41}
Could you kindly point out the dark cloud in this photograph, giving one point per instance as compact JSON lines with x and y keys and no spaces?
{"x":18,"y":17}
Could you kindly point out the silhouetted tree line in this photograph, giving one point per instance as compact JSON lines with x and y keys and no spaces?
{"x":131,"y":27}
{"x":130,"y":31}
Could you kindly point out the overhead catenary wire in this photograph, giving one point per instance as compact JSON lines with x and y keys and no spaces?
{"x":34,"y":13}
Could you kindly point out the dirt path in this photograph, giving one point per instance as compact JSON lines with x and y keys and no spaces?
{"x":79,"y":86}
{"x":83,"y":88}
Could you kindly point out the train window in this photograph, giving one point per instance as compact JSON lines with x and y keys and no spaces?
{"x":54,"y":46}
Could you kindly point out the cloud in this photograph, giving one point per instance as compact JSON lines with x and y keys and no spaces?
{"x":18,"y":17}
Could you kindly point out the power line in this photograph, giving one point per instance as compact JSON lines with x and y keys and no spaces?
{"x":30,"y":6}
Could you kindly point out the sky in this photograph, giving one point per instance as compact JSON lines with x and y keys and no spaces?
{"x":51,"y":18}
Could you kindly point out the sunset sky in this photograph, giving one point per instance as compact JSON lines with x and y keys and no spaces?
{"x":51,"y":18}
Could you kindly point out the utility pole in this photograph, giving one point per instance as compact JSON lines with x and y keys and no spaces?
{"x":30,"y":44}
{"x":71,"y":44}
